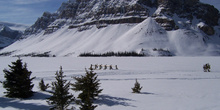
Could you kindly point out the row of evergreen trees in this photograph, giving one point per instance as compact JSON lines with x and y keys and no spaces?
{"x":19,"y":84}
{"x":109,"y":54}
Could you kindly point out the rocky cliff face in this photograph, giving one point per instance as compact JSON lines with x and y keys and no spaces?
{"x":42,"y":23}
{"x":189,"y":9}
{"x":82,"y":13}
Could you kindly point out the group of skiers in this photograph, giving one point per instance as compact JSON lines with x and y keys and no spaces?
{"x":206,"y":67}
{"x":99,"y":67}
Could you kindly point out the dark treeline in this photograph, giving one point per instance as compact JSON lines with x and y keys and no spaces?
{"x":109,"y":54}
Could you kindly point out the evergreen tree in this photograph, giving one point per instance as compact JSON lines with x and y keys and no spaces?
{"x":89,"y":85}
{"x":18,"y":82}
{"x":137,"y":88}
{"x":42,"y":86}
{"x":60,"y":98}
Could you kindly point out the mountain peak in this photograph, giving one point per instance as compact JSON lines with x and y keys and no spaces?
{"x":14,"y":26}
{"x":7,"y":35}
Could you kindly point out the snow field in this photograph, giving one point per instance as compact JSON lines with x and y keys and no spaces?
{"x":169,"y":83}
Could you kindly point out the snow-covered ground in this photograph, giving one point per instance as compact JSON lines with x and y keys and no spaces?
{"x":169,"y":83}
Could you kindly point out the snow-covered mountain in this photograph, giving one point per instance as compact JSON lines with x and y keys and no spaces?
{"x":154,"y":27}
{"x":14,"y":26}
{"x":9,"y":33}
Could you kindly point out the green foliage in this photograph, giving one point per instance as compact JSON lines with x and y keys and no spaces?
{"x":42,"y":86}
{"x":137,"y":88}
{"x":18,"y":82}
{"x":60,"y":98}
{"x":89,"y":87}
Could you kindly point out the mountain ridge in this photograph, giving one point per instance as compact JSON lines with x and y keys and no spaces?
{"x":15,"y":26}
{"x":77,"y":13}
{"x":196,"y":24}
{"x":9,"y":33}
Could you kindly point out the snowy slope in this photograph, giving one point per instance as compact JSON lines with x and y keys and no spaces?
{"x":123,"y":37}
{"x":146,"y":35}
{"x":169,"y":83}
{"x":5,"y":41}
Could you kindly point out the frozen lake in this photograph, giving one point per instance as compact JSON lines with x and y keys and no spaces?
{"x":169,"y":83}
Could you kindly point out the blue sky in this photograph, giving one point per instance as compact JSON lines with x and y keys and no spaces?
{"x":26,"y":11}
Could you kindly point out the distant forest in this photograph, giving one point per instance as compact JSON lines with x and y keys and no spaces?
{"x":109,"y":54}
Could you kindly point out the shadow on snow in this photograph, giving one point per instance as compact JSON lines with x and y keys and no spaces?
{"x":147,"y":93}
{"x":113,"y":101}
{"x":18,"y":104}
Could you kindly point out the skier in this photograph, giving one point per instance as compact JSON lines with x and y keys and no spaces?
{"x":110,"y":67}
{"x":105,"y":67}
{"x":100,"y":67}
{"x":206,"y":67}
{"x":116,"y":67}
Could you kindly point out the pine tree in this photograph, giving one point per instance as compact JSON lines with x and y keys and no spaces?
{"x":18,"y":82}
{"x":42,"y":86}
{"x":89,"y":85}
{"x":60,"y":98}
{"x":137,"y":88}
